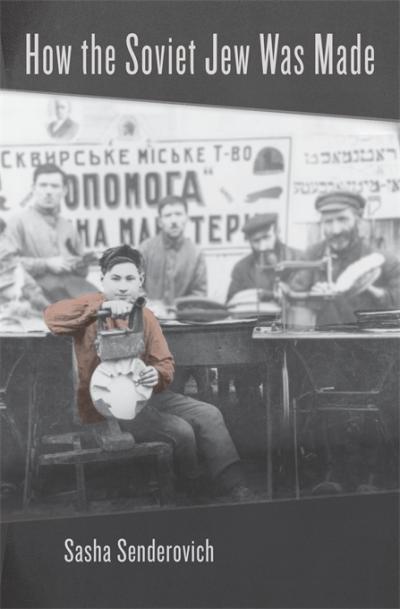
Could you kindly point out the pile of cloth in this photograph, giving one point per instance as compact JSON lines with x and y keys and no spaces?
{"x":21,"y":299}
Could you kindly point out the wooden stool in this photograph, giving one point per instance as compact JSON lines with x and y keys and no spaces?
{"x":103,"y":443}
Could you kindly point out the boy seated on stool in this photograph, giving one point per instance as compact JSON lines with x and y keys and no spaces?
{"x":195,"y":429}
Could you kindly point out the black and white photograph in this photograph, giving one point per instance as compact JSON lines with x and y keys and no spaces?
{"x":258,"y":362}
{"x":250,"y":285}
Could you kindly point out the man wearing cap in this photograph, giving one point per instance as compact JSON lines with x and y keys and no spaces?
{"x":46,"y":244}
{"x":338,"y":365}
{"x":257,"y":269}
{"x":341,"y":215}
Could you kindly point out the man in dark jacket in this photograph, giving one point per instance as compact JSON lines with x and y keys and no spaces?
{"x":257,"y":269}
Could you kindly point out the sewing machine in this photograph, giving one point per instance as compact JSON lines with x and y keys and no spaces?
{"x":290,"y":305}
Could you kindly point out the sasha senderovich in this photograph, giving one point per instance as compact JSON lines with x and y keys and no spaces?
{"x":123,"y":551}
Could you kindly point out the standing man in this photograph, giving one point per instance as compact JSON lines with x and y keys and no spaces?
{"x":175,"y":266}
{"x":257,"y":269}
{"x":341,"y":215}
{"x":47,"y":244}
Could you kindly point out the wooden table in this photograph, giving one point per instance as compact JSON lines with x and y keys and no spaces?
{"x":214,"y":344}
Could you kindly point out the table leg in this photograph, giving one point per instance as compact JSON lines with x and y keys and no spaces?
{"x":267,"y":392}
{"x":6,"y":415}
{"x":295,"y":451}
{"x":32,"y":416}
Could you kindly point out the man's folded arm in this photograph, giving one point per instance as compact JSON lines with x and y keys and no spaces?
{"x":34,"y":266}
{"x":13,"y":244}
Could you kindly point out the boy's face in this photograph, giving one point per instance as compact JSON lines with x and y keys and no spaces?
{"x":122,"y":282}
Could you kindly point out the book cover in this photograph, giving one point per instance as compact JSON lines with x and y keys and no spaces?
{"x":250,"y":151}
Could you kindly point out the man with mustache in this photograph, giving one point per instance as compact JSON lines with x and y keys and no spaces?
{"x":349,"y":449}
{"x":256,"y":270}
{"x":341,"y":216}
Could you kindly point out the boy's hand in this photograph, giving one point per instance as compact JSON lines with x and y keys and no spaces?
{"x":118,"y":308}
{"x":149,"y":377}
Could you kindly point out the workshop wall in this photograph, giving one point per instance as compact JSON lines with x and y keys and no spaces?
{"x":122,"y":156}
